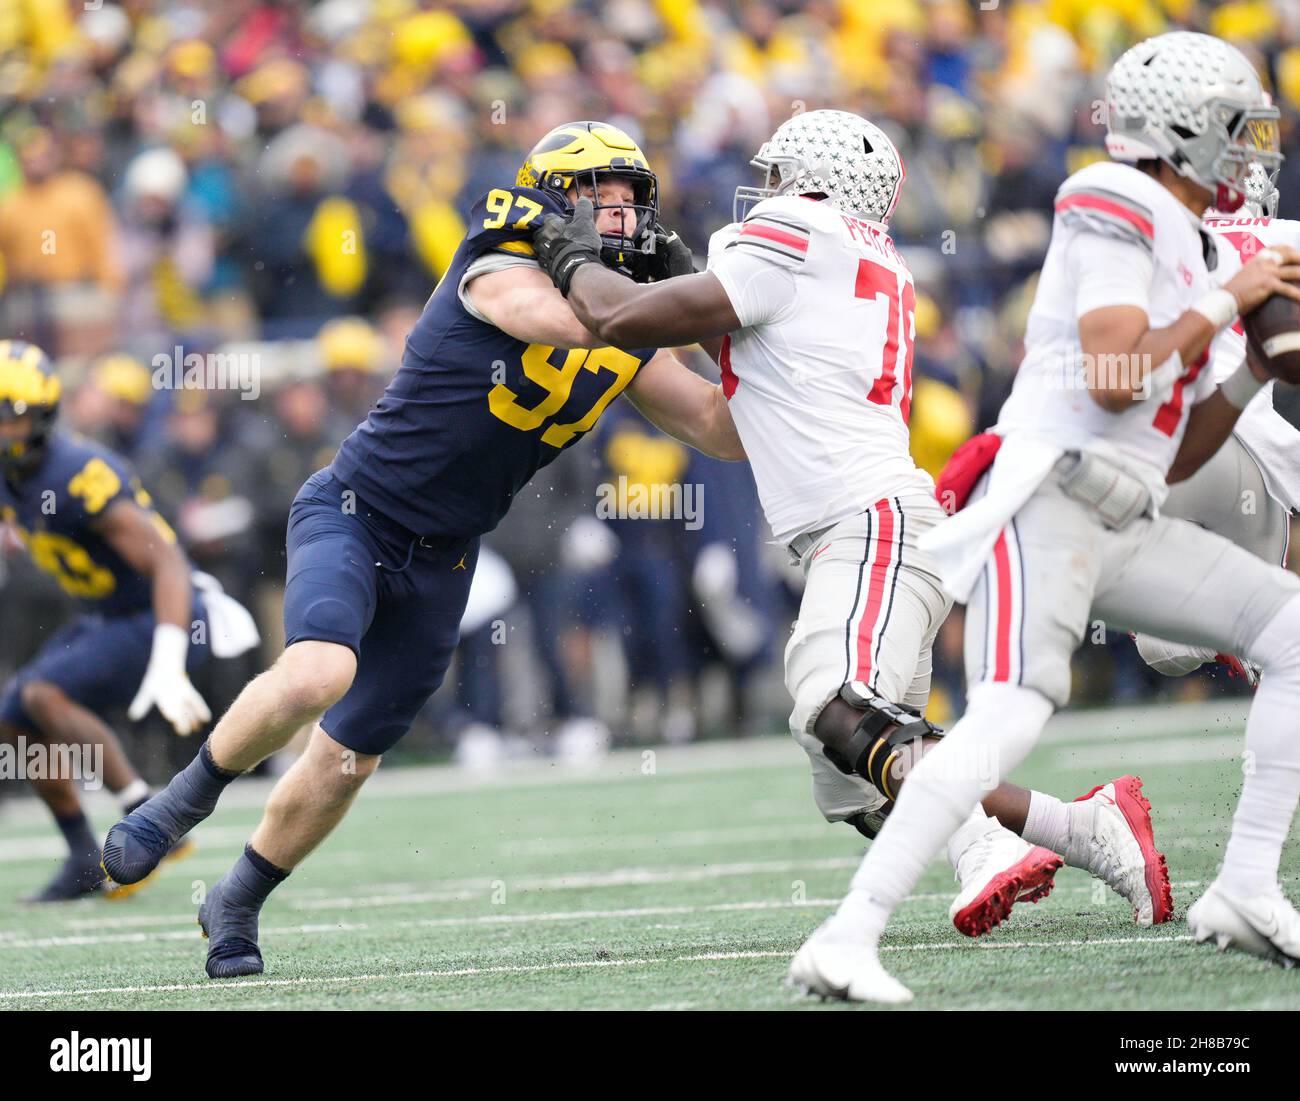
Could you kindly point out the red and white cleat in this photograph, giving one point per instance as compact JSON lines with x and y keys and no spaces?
{"x":996,"y":869}
{"x":1111,"y":837}
{"x":1247,"y":671}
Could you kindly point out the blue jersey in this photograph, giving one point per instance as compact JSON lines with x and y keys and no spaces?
{"x":473,"y":413}
{"x":54,"y":510}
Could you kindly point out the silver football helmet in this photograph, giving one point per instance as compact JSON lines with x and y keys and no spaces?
{"x":832,"y":153}
{"x":1196,"y":103}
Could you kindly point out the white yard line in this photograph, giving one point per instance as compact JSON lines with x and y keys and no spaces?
{"x":1095,"y":728}
{"x":568,"y":965}
{"x":161,"y":928}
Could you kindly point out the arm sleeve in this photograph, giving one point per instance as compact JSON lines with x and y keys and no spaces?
{"x":1109,"y":271}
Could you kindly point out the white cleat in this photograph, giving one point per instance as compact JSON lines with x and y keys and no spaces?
{"x":997,"y":869}
{"x":1111,"y":837}
{"x":1266,"y":925}
{"x":847,"y":971}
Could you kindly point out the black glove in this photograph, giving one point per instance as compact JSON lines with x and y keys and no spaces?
{"x":672,"y":257}
{"x":563,"y":245}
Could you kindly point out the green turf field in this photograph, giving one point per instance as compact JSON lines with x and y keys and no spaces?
{"x":681,"y":880}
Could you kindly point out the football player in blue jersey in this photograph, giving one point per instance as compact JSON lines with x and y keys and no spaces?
{"x":498,"y":377}
{"x":85,"y":518}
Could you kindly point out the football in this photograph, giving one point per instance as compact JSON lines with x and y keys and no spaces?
{"x":1273,"y":331}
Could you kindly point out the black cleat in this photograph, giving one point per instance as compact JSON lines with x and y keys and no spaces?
{"x":231,"y":929}
{"x":118,"y":891}
{"x":151,"y":833}
{"x":77,"y":877}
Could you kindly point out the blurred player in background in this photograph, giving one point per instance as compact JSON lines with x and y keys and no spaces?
{"x":1250,"y":488}
{"x":1112,"y":395}
{"x":85,"y":518}
{"x":498,"y":378}
{"x":813,"y":305}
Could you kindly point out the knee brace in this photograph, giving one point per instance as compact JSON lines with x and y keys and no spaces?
{"x":878,"y":739}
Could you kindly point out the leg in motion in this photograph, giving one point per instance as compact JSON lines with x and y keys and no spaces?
{"x":304,"y":806}
{"x":307,"y":679}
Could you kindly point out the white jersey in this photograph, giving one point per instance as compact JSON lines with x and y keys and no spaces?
{"x":819,"y":376}
{"x":1272,"y":440}
{"x":1119,"y":238}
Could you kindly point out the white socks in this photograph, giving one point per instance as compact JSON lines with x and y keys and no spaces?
{"x":969,"y":831}
{"x":134,"y":792}
{"x":1271,"y":762}
{"x":1047,"y":823}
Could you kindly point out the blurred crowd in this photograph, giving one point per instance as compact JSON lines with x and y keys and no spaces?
{"x":179,"y":174}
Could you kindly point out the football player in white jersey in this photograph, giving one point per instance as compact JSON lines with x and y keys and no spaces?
{"x":1064,"y":526}
{"x":1251,"y":487}
{"x":813,"y":306}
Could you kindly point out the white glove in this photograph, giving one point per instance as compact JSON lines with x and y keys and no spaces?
{"x":167,"y":686}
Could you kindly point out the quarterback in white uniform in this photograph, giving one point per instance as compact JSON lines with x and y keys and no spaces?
{"x":1251,"y":487}
{"x":1065,"y":525}
{"x":814,"y":308}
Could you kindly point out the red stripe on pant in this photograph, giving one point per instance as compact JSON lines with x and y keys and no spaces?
{"x":875,"y":587}
{"x":1002,"y":612}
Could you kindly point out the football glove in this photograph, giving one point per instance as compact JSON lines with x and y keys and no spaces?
{"x":672,"y":257}
{"x":564,"y":245}
{"x":167,"y":686}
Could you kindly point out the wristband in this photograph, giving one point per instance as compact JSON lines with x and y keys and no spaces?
{"x":566,"y":263}
{"x":1219,"y":308}
{"x":171,"y":644}
{"x":1240,"y":386}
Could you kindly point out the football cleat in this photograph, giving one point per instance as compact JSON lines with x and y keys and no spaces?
{"x":77,"y":877}
{"x":846,"y":971}
{"x":231,"y":933}
{"x":1246,"y":670}
{"x":1266,"y":925}
{"x":1114,"y":841}
{"x":997,"y":869}
{"x":137,"y":844}
{"x":1171,"y":659}
{"x":118,"y":891}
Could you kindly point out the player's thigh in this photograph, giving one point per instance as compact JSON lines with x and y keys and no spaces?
{"x":97,"y":663}
{"x":870,"y":607}
{"x":1029,"y":609}
{"x":331,"y":583}
{"x":1229,"y":496}
{"x":1183,"y":583}
{"x":405,"y":653}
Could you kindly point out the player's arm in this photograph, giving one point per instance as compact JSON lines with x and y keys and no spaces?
{"x":685,"y":310}
{"x":143,"y":544}
{"x":682,"y":310}
{"x":1211,"y":421}
{"x":687,"y":407}
{"x":523,"y":302}
{"x":1118,"y":338}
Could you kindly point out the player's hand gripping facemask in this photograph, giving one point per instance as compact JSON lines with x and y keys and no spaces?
{"x":563,"y":245}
